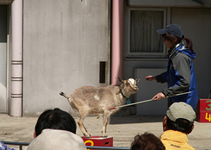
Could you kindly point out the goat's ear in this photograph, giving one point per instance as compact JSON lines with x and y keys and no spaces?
{"x":120,"y":80}
{"x":137,"y":80}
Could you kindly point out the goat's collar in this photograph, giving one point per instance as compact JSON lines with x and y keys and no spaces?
{"x":122,"y":93}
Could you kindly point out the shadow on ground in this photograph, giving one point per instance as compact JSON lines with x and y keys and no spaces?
{"x":135,"y":119}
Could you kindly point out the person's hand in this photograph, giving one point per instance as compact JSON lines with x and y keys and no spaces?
{"x":158,"y":96}
{"x":150,"y":78}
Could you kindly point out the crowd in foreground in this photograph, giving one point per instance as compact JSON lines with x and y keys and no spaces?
{"x":56,"y":129}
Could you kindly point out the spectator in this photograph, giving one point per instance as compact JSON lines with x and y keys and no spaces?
{"x":147,"y":141}
{"x":55,"y":129}
{"x":178,"y":122}
{"x":55,"y":119}
{"x":4,"y":147}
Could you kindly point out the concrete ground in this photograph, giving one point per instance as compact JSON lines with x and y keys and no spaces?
{"x":122,"y":129}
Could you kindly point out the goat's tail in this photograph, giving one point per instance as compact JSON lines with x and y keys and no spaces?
{"x":63,"y":94}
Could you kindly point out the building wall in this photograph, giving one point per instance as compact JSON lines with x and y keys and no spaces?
{"x":63,"y":44}
{"x":3,"y":57}
{"x":65,"y":41}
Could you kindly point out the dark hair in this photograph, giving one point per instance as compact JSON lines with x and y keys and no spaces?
{"x":147,"y":141}
{"x":187,"y":42}
{"x":180,"y":124}
{"x":55,"y":119}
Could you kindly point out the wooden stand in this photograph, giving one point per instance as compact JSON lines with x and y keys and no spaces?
{"x":98,"y":141}
{"x":204,"y":110}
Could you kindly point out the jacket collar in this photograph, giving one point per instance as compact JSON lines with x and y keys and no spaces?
{"x":174,"y":136}
{"x":173,"y":51}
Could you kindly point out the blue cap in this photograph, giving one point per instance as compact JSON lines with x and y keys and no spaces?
{"x":172,"y":29}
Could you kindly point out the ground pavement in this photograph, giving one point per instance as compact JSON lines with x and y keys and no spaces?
{"x":122,"y":129}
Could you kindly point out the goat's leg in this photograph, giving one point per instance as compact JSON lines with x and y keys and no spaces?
{"x":82,"y":127}
{"x":105,"y":122}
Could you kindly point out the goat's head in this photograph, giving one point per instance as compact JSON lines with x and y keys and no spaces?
{"x":129,"y":85}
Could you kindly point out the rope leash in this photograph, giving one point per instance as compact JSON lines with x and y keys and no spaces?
{"x":148,"y":100}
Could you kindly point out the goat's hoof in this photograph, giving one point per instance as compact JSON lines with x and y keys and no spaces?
{"x":104,"y":136}
{"x":87,"y":135}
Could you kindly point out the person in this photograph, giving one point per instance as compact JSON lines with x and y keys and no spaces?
{"x":177,"y":124}
{"x":180,"y":74}
{"x":5,"y":147}
{"x":55,"y":119}
{"x":56,"y":129}
{"x":147,"y":141}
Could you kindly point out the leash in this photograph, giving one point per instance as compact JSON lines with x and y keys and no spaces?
{"x":148,"y":100}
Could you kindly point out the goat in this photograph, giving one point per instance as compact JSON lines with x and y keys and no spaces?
{"x":95,"y":100}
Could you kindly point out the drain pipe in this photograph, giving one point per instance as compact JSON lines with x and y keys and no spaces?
{"x":16,"y":60}
{"x":117,"y":40}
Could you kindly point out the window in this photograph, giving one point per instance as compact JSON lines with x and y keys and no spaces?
{"x":143,"y":39}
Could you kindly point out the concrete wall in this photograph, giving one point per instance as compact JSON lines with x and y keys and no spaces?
{"x":3,"y":57}
{"x":64,"y":42}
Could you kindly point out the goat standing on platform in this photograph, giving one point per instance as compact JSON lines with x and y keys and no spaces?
{"x":95,"y":100}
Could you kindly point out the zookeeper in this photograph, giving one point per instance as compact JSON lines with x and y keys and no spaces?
{"x":180,"y":74}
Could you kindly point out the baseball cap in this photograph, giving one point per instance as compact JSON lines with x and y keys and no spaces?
{"x":172,"y":29}
{"x":181,"y":110}
{"x":57,"y":139}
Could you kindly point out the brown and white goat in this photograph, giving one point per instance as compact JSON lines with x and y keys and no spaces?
{"x":95,"y":100}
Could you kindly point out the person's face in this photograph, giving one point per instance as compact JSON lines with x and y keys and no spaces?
{"x":168,"y":43}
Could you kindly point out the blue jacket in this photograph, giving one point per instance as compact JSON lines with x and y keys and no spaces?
{"x":180,"y":76}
